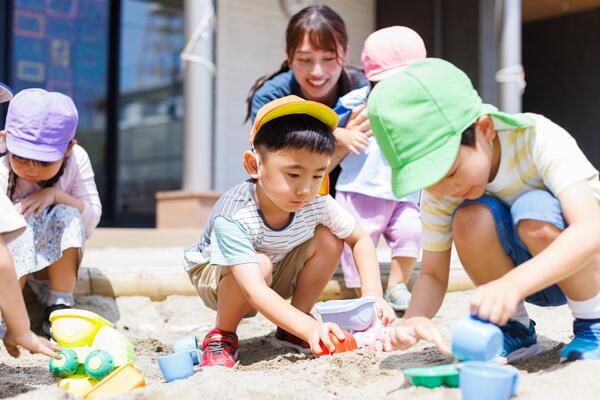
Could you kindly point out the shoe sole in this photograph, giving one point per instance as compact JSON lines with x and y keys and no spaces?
{"x":520,"y":354}
{"x":281,"y":344}
{"x":236,"y":357}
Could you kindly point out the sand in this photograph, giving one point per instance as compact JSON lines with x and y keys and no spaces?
{"x":267,"y":372}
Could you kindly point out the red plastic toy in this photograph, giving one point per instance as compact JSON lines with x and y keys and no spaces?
{"x":348,"y":344}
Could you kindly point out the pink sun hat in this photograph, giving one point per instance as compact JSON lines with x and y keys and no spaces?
{"x":390,"y":50}
{"x":40,"y":124}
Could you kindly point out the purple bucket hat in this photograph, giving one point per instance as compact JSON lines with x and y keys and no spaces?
{"x":6,"y":93}
{"x":40,"y":125}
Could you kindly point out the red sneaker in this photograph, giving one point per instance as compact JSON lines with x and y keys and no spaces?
{"x":286,"y":339}
{"x":220,"y":348}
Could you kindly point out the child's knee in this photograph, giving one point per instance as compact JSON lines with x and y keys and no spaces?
{"x":537,"y":233}
{"x":66,"y":210}
{"x":473,"y":223}
{"x":266,"y":268}
{"x":326,"y":241}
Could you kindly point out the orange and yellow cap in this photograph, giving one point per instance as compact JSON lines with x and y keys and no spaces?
{"x":289,"y":105}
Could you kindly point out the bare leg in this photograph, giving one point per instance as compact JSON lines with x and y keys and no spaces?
{"x":62,"y":275}
{"x":585,"y":283}
{"x":478,"y":246}
{"x":400,"y":270}
{"x":232,"y":306}
{"x":322,"y":259}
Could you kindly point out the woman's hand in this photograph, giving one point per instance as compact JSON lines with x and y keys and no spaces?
{"x":37,"y":202}
{"x":355,"y":135}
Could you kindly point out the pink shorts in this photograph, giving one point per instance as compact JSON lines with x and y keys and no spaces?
{"x":398,"y":221}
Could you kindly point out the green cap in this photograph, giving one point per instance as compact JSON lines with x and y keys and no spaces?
{"x":418,"y":117}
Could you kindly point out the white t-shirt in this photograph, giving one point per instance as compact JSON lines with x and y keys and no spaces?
{"x":236,"y":229}
{"x":10,"y":219}
{"x":543,"y":156}
{"x":77,"y":180}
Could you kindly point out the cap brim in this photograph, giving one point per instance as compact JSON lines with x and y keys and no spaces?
{"x":312,"y":108}
{"x":37,"y":152}
{"x":6,"y":93}
{"x":376,"y":77}
{"x":427,"y":170}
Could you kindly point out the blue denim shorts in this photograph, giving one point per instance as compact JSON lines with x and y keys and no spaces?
{"x":538,"y":205}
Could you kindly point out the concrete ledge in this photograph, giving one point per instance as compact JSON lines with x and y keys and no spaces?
{"x":142,"y":237}
{"x":184,"y":209}
{"x":147,"y":262}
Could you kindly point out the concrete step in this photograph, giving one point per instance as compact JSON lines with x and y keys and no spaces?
{"x":148,"y":262}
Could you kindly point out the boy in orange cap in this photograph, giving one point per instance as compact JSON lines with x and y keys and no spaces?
{"x":272,"y":237}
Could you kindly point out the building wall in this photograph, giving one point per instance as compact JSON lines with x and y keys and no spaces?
{"x":250,"y":43}
{"x":449,"y":28}
{"x":561,"y":61}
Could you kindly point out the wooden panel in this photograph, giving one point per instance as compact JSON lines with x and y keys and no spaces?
{"x":417,"y":15}
{"x":534,"y":10}
{"x":460,"y":36}
{"x":562,"y":61}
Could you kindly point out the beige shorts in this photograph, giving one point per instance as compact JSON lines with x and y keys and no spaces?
{"x":206,"y":277}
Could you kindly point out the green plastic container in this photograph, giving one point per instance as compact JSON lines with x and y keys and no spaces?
{"x":66,"y":365}
{"x":432,"y":377}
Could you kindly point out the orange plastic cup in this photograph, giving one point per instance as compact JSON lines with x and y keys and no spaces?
{"x":348,"y":344}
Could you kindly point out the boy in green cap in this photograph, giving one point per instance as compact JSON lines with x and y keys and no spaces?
{"x":511,"y":190}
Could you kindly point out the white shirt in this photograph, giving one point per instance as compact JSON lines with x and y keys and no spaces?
{"x":77,"y":181}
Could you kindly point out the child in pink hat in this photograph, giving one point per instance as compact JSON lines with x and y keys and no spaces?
{"x":50,"y":181}
{"x":364,"y":188}
{"x":15,"y":329}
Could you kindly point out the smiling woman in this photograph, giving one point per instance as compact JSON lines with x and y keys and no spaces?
{"x":315,"y":69}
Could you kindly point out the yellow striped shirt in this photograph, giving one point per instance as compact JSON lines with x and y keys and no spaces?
{"x":544,"y":156}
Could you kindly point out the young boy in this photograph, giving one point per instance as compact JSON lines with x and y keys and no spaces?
{"x":17,"y":331}
{"x":511,"y":190}
{"x":272,"y":237}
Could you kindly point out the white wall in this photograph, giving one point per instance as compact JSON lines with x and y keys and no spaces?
{"x":250,"y":43}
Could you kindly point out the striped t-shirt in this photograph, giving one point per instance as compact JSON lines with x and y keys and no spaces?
{"x":543,"y":156}
{"x":236,"y":230}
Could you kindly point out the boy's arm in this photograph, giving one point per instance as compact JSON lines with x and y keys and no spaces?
{"x":367,"y":264}
{"x":427,"y":295}
{"x":14,"y":312}
{"x":283,"y":314}
{"x":567,"y":254}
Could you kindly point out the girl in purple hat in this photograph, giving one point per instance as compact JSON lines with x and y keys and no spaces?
{"x":49,"y":179}
{"x":15,"y":327}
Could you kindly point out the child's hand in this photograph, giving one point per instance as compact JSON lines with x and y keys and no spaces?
{"x":37,"y":202}
{"x":31,"y":342}
{"x":495,"y":301}
{"x":401,"y":337}
{"x":423,"y":328}
{"x":321,"y":335}
{"x":354,"y":141}
{"x":384,"y":311}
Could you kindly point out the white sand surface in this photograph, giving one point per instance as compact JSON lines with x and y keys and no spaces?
{"x":267,"y":372}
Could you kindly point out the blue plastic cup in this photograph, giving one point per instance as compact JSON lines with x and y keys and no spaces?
{"x":178,"y":365}
{"x":484,"y":380}
{"x":188,"y":343}
{"x":474,"y":339}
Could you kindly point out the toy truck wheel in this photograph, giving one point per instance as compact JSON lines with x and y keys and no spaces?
{"x":98,"y":364}
{"x":66,"y":365}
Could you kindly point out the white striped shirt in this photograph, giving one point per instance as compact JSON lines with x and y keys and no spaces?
{"x":236,"y":230}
